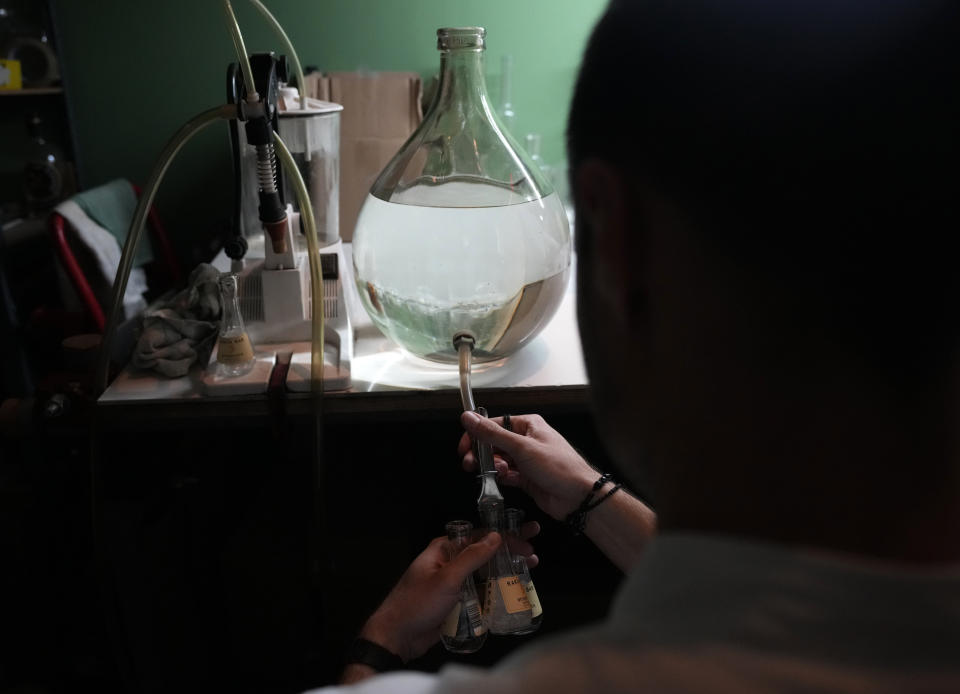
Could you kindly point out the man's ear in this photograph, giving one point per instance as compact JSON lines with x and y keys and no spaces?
{"x":602,"y":191}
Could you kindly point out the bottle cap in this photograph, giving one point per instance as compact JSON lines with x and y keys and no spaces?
{"x":458,"y":529}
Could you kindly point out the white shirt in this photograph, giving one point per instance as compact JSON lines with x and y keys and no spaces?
{"x":717,"y":614}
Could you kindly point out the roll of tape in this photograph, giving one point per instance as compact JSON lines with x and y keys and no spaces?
{"x":38,"y":62}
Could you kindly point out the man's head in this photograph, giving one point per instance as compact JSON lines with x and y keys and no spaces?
{"x":767,"y":207}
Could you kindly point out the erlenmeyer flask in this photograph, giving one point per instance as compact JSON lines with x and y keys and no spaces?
{"x":514,"y":518}
{"x":461,"y":231}
{"x":506,"y":606}
{"x":234,"y":352}
{"x":463,"y":631}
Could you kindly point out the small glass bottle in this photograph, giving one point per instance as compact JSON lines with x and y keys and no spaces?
{"x":234,"y":351}
{"x":464,"y":629}
{"x":514,"y":518}
{"x":506,"y":605}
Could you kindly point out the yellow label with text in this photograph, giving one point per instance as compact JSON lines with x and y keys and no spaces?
{"x":534,"y":600}
{"x":234,"y":349}
{"x":450,"y":624}
{"x":513,"y":593}
{"x":10,"y":74}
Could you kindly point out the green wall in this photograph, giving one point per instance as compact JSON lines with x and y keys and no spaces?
{"x":136,"y":71}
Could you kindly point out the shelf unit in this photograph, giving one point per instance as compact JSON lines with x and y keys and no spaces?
{"x":32,"y":91}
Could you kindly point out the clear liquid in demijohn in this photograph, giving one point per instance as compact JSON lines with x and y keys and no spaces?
{"x":426,"y":273}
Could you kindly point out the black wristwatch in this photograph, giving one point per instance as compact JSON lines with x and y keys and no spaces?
{"x":373,"y":655}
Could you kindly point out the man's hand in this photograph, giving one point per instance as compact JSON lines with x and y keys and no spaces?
{"x":520,"y":546}
{"x":533,"y":457}
{"x":538,"y":460}
{"x":408,"y":621}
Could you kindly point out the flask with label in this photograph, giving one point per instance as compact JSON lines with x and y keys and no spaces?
{"x":514,"y":518}
{"x":234,"y":351}
{"x":461,"y":231}
{"x":464,"y":629}
{"x":506,"y":605}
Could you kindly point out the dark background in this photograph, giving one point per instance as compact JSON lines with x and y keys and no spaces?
{"x":216,"y":554}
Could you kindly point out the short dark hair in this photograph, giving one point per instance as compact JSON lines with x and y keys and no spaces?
{"x":815,"y":143}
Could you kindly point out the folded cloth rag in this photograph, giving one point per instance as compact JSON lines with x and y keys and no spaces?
{"x":178,"y":333}
{"x":105,"y":250}
{"x":112,"y":206}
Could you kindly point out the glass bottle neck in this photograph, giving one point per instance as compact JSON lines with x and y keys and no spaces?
{"x":513,"y":518}
{"x":461,"y":78}
{"x":458,"y":532}
{"x":231,"y":319}
{"x":492,"y":516}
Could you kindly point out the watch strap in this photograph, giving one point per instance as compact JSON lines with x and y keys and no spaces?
{"x":373,"y":655}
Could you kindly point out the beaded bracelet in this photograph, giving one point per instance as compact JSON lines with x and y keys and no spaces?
{"x":577,"y":519}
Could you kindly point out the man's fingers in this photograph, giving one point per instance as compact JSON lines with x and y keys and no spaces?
{"x":508,"y":477}
{"x":524,"y":549}
{"x":502,"y":466}
{"x":472,"y":558}
{"x":519,"y":546}
{"x":465,"y":445}
{"x":491,"y":432}
{"x":529,"y":529}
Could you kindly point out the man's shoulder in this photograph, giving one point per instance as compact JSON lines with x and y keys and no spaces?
{"x":599,"y":661}
{"x":589,"y":659}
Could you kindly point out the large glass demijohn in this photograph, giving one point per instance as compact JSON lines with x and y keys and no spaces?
{"x":461,"y":230}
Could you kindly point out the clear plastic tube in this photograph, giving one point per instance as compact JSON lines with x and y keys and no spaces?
{"x":297,"y":67}
{"x":313,"y":255}
{"x":180,"y":138}
{"x":241,"y":50}
{"x":464,"y":352}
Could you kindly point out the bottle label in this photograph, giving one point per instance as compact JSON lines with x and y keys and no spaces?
{"x":234,"y":349}
{"x":514,"y":594}
{"x":534,"y":600}
{"x":450,"y":624}
{"x":475,"y":615}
